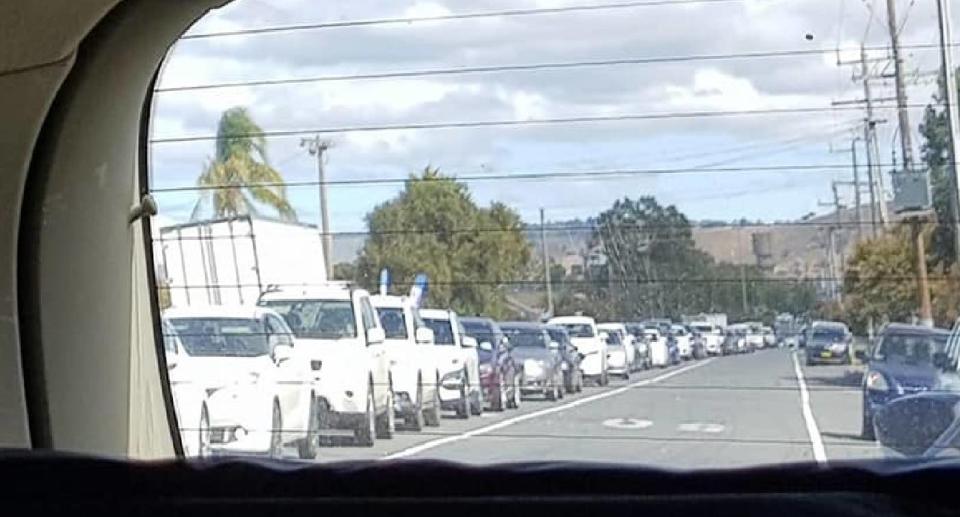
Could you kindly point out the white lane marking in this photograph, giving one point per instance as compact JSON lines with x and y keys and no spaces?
{"x":530,"y":416}
{"x":816,"y":441}
{"x":701,"y":427}
{"x":627,"y":423}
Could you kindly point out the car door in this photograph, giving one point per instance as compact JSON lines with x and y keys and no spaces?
{"x":379,"y":363}
{"x":469,"y":355}
{"x":293,"y":384}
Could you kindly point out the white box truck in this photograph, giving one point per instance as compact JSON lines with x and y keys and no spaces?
{"x":231,"y":261}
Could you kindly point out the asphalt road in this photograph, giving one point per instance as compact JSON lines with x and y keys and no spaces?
{"x":715,"y":413}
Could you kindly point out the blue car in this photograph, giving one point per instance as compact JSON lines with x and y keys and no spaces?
{"x":901,"y":364}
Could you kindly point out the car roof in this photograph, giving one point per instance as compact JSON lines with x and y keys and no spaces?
{"x":526,"y":325}
{"x":560,"y":320}
{"x":388,"y":301}
{"x":906,"y":328}
{"x":314,"y":292}
{"x":609,"y":325}
{"x":436,"y":314}
{"x":217,"y":311}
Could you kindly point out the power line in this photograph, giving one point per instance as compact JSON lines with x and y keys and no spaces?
{"x":604,"y":282}
{"x":509,"y":123}
{"x":565,"y":228}
{"x":523,"y":176}
{"x":517,"y":68}
{"x":449,"y":17}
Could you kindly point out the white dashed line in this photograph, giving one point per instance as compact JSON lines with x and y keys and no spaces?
{"x":701,"y":427}
{"x":816,"y":441}
{"x":432,"y":444}
{"x":627,"y":423}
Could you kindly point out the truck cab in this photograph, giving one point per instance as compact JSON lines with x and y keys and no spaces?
{"x":339,"y":332}
{"x":409,"y":345}
{"x":457,"y":362}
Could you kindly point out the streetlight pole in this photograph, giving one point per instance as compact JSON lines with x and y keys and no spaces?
{"x":317,"y":147}
{"x":950,"y":101}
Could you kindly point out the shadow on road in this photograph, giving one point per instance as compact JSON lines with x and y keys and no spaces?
{"x":848,"y":379}
{"x":844,"y":436}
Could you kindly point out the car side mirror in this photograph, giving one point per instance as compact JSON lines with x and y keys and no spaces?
{"x":282,"y":353}
{"x":554,"y":345}
{"x":941,"y":360}
{"x":468,"y":342}
{"x":376,"y":335}
{"x":424,"y":336}
{"x":862,"y":356}
{"x":486,"y":346}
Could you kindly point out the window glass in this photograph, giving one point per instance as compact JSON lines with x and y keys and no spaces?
{"x":318,"y":319}
{"x":442,"y":331}
{"x":222,"y":337}
{"x":393,"y":321}
{"x":578,"y":329}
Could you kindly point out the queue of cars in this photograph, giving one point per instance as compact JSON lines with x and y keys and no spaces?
{"x":309,"y":362}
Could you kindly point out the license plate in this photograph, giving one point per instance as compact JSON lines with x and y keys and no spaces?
{"x":824,"y":354}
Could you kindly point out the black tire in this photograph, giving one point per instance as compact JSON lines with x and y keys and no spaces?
{"x":604,"y":378}
{"x":276,"y":433}
{"x":626,"y":376}
{"x":517,"y":396}
{"x":551,"y":392}
{"x":809,"y":362}
{"x":307,"y":446}
{"x":499,"y":402}
{"x":415,"y":419}
{"x":386,"y":422}
{"x":203,"y":435}
{"x":579,"y":382}
{"x":559,"y":385}
{"x":431,"y":416}
{"x":365,"y":431}
{"x":463,"y":405}
{"x":476,"y":402}
{"x":866,"y":428}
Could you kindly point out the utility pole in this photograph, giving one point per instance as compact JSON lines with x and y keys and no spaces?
{"x":317,"y":147}
{"x":856,"y":190}
{"x":902,"y":112}
{"x":546,"y":264}
{"x":950,"y":105}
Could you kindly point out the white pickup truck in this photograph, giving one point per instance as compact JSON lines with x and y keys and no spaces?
{"x":458,"y":363}
{"x":413,"y":361}
{"x":340,"y":335}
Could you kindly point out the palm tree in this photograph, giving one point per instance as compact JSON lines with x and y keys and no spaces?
{"x":239,"y":178}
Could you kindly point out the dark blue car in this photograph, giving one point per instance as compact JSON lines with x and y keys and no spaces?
{"x":901,"y":364}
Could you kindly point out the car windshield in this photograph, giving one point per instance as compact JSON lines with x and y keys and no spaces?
{"x":521,"y":337}
{"x":578,"y":330}
{"x":442,"y":330}
{"x":909,"y":348}
{"x":393,"y":321}
{"x":222,"y":337}
{"x":318,"y":319}
{"x":700,"y":172}
{"x":828,"y":335}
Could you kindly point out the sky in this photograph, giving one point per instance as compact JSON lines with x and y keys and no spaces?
{"x":734,"y":143}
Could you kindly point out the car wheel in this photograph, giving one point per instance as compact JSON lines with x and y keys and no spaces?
{"x":387,"y":421}
{"x":307,"y":446}
{"x":579,"y":382}
{"x":431,"y":416}
{"x":203,"y":435}
{"x":414,"y":419}
{"x":366,"y":427}
{"x":866,"y":430}
{"x":499,"y":403}
{"x":551,"y":392}
{"x":626,"y":376}
{"x":604,"y":378}
{"x":559,"y":384}
{"x":514,"y":402}
{"x":463,"y":405}
{"x":476,"y":399}
{"x":276,"y":434}
{"x":809,"y":361}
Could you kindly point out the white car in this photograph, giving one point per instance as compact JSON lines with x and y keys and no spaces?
{"x":339,"y":334}
{"x":629,"y":343}
{"x":769,"y":338}
{"x":189,"y":397}
{"x":755,"y":339}
{"x":683,"y":340}
{"x":457,"y":361}
{"x":258,"y":394}
{"x":659,"y":349}
{"x":586,"y":337}
{"x":712,"y":337}
{"x":413,"y":368}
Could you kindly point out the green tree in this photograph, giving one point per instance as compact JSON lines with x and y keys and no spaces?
{"x":470,"y":254}
{"x":878,"y":284}
{"x":238,"y":179}
{"x":935,"y":153}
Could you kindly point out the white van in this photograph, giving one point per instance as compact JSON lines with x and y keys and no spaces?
{"x":259,"y":396}
{"x":586,"y":337}
{"x":339,"y":332}
{"x":629,"y":343}
{"x":413,"y":367}
{"x":457,"y":362}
